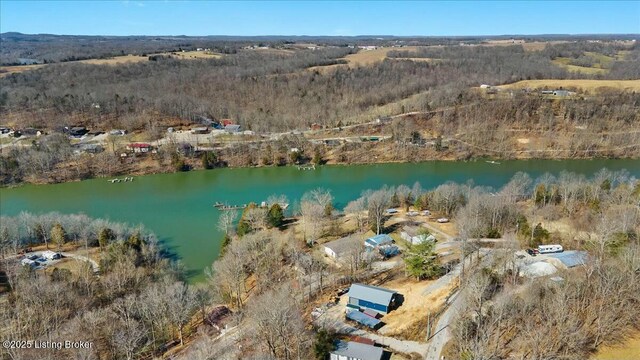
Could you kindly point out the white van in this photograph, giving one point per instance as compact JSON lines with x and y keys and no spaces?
{"x":546,"y":249}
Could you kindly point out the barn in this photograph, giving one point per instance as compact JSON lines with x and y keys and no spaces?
{"x":371,"y":297}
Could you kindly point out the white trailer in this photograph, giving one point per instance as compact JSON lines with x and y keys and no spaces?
{"x":547,"y":249}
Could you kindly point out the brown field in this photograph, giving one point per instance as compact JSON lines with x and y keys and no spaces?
{"x":628,"y":350}
{"x":527,"y":46}
{"x":6,"y":70}
{"x":586,"y":86}
{"x":117,"y":60}
{"x":368,"y":57}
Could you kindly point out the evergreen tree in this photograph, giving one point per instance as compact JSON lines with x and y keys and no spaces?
{"x":275,"y":216}
{"x":421,"y":261}
{"x":104,"y":237}
{"x":323,"y":344}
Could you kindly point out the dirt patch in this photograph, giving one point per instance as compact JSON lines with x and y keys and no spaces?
{"x":582,"y":85}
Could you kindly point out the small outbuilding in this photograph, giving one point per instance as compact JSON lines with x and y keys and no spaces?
{"x":351,"y":350}
{"x":363,"y":296}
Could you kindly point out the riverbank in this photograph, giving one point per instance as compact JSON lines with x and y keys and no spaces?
{"x":178,"y":207}
{"x":364,"y":154}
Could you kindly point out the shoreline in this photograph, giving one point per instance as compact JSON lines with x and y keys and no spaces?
{"x":328,"y":163}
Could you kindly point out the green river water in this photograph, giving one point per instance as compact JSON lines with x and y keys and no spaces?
{"x":179,"y":207}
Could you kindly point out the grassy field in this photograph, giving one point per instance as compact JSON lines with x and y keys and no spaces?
{"x":581,"y":85}
{"x":117,"y":60}
{"x":601,"y":65}
{"x":196,"y":55}
{"x":629,"y":350}
{"x":563,"y":62}
{"x":6,"y":70}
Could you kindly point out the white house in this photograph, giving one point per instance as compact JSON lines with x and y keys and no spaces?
{"x":414,"y":236}
{"x":339,"y":248}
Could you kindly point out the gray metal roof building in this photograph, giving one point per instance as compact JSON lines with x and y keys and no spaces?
{"x":370,"y":297}
{"x":571,"y":258}
{"x":356,"y":351}
{"x":340,"y":247}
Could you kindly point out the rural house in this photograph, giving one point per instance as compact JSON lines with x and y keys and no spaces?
{"x":416,"y":235}
{"x":355,"y":351}
{"x":339,"y":248}
{"x":371,"y":297}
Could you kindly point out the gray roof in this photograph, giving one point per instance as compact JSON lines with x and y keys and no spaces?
{"x":342,"y":245}
{"x":374,"y":294}
{"x":571,"y":258}
{"x":359,"y":351}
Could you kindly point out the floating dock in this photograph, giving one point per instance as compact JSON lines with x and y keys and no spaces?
{"x":264,"y":205}
{"x":306,"y":167}
{"x":125,"y":179}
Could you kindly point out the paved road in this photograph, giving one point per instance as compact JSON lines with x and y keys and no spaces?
{"x":334,"y":319}
{"x":442,"y":334}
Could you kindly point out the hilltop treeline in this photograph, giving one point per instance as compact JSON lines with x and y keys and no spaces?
{"x":263,"y":91}
{"x":131,"y":306}
{"x":507,"y":59}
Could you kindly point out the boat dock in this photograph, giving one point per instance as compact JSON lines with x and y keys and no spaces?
{"x":306,"y":167}
{"x":125,"y":179}
{"x":264,"y":205}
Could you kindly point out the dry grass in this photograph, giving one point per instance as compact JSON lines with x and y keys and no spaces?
{"x":195,"y":55}
{"x":629,"y":350}
{"x":410,"y":320}
{"x":6,"y":70}
{"x":581,"y":85}
{"x":116,"y":60}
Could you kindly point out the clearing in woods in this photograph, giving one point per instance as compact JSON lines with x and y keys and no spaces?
{"x":581,"y":85}
{"x":628,"y":350}
{"x":116,"y":60}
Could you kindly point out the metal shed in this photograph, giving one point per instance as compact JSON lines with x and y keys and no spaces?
{"x":571,"y":258}
{"x":363,"y":319}
{"x":371,"y":297}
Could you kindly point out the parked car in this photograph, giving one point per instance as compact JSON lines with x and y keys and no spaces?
{"x":443,"y":220}
{"x":32,"y":257}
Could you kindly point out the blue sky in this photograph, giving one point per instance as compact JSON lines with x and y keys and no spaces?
{"x":319,"y":18}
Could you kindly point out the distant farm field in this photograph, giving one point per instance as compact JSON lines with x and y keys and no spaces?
{"x":117,"y":60}
{"x":582,"y":85}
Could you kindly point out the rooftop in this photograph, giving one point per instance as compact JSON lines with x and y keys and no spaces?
{"x":380,"y":239}
{"x":354,"y":350}
{"x":571,"y":258}
{"x":370,"y":293}
{"x":343,"y":244}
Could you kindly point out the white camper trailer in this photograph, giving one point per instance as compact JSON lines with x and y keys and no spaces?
{"x":547,"y":249}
